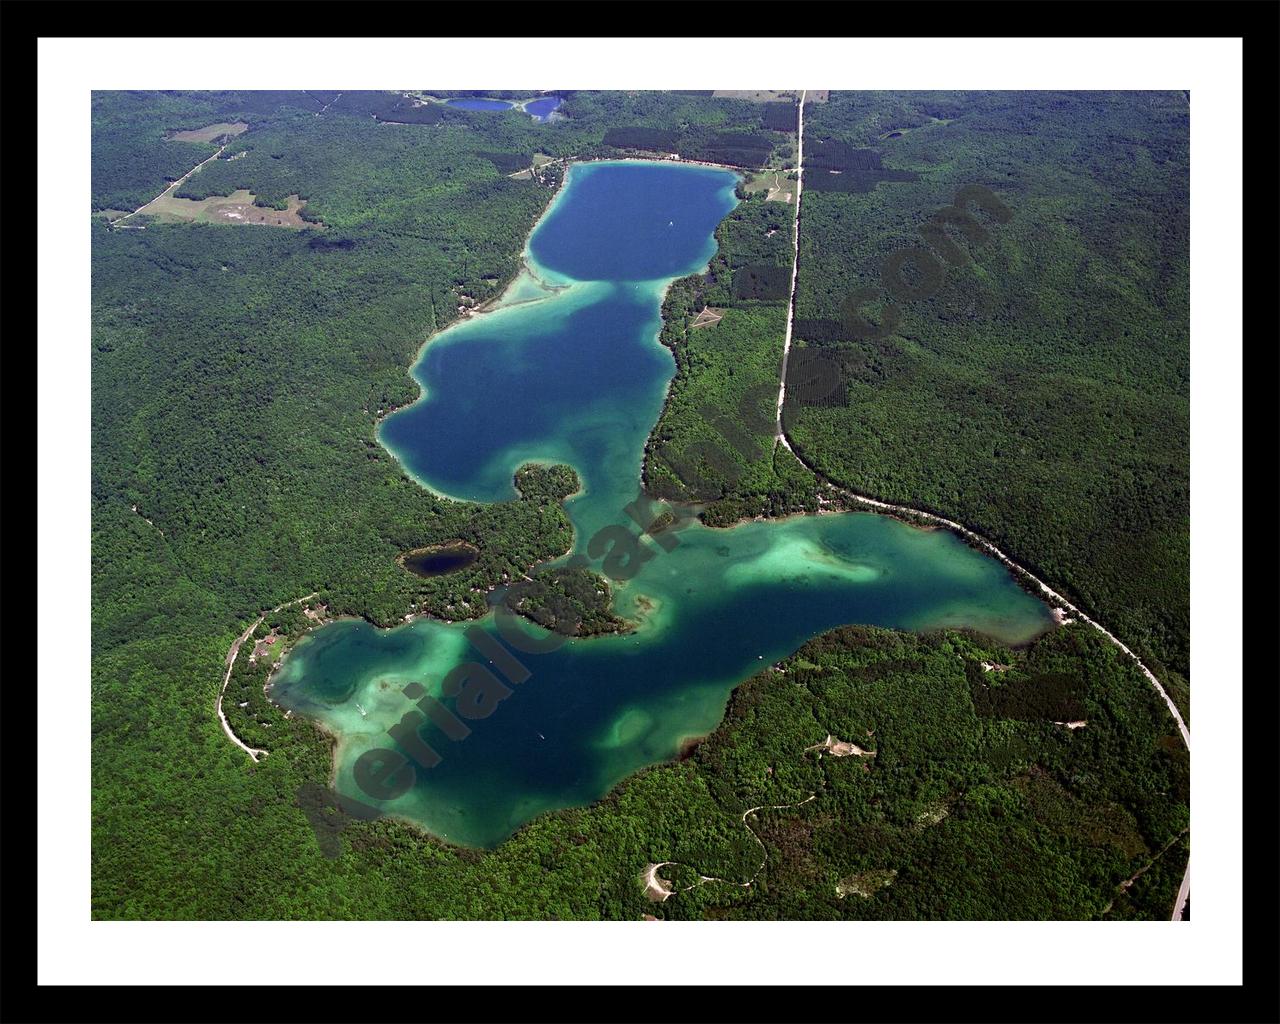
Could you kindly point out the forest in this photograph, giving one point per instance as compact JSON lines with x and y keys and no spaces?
{"x":736,"y":149}
{"x":238,"y":378}
{"x":1039,"y":392}
{"x":835,"y":166}
{"x":736,"y":132}
{"x":714,"y":442}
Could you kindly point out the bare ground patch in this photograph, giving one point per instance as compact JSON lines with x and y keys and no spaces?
{"x":866,"y":884}
{"x":710,"y":315}
{"x":777,"y":185}
{"x":839,"y":748}
{"x":758,"y":95}
{"x":210,"y":133}
{"x":657,"y":889}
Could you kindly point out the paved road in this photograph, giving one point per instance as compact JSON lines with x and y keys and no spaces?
{"x":795,"y":265}
{"x":1185,"y":889}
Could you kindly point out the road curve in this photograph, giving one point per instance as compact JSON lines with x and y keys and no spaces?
{"x":253,"y":752}
{"x":982,"y":542}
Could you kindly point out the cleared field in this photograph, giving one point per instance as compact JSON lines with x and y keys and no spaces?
{"x":236,"y":208}
{"x":710,"y":315}
{"x":210,"y":132}
{"x":777,"y":184}
{"x":773,"y":95}
{"x":758,"y":95}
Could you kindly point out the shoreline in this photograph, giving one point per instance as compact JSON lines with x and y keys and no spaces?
{"x":546,"y":280}
{"x":1036,"y":585}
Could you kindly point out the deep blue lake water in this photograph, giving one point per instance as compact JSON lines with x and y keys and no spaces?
{"x":541,"y":108}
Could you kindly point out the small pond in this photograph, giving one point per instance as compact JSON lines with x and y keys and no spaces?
{"x":441,"y":558}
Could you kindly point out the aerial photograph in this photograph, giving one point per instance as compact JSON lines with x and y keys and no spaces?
{"x":640,"y":505}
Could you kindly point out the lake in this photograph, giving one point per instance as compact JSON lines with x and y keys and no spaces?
{"x":476,"y":103}
{"x":441,"y":559}
{"x":569,"y":369}
{"x":541,"y":108}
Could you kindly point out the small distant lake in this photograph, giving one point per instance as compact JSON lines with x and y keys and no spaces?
{"x":540,"y":109}
{"x":441,"y":559}
{"x":475,"y":103}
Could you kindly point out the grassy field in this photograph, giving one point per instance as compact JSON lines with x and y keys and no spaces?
{"x":778,"y":186}
{"x":773,"y":95}
{"x":237,"y":208}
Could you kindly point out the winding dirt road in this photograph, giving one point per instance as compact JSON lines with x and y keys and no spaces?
{"x":659,"y":889}
{"x":234,"y":650}
{"x":120,"y":220}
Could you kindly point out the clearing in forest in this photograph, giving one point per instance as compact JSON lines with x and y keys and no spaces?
{"x":758,"y":95}
{"x":210,"y":133}
{"x":710,"y":315}
{"x":236,"y":208}
{"x":778,"y":187}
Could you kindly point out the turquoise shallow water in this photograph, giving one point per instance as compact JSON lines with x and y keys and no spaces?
{"x":576,"y":375}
